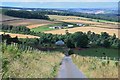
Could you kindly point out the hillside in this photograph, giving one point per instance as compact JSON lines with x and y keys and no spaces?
{"x":20,"y":61}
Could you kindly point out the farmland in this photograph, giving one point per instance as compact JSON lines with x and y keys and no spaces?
{"x":20,"y":35}
{"x":95,"y":54}
{"x":30,"y":23}
{"x":86,"y":29}
{"x":95,"y":64}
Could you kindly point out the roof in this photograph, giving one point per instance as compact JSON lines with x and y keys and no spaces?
{"x":60,"y":42}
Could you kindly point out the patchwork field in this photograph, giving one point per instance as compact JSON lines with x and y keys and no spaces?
{"x":86,"y":29}
{"x":20,"y":35}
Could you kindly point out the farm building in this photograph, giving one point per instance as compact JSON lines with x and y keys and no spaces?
{"x":70,"y":26}
{"x":79,"y":24}
{"x":60,"y":43}
{"x":57,"y":27}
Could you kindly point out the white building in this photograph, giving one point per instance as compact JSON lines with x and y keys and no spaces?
{"x":79,"y":24}
{"x":70,"y":26}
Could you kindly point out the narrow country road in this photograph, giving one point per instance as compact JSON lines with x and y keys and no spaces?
{"x":69,"y":70}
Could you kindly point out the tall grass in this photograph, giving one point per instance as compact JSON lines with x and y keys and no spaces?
{"x":20,"y":61}
{"x":94,"y":67}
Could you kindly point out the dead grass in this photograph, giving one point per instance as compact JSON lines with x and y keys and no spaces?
{"x":81,"y":21}
{"x":31,"y":63}
{"x":86,"y":29}
{"x":20,"y":35}
{"x":94,"y":67}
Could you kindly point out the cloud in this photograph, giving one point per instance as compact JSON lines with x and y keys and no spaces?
{"x":59,"y":1}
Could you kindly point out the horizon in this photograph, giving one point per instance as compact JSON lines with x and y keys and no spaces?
{"x":60,"y":4}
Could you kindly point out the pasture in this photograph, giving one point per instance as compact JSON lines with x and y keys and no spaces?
{"x":20,"y":35}
{"x":94,"y":64}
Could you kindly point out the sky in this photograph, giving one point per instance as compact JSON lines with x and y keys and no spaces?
{"x":61,"y":3}
{"x":59,"y":0}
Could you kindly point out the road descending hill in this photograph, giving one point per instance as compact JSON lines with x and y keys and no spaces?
{"x":69,"y":70}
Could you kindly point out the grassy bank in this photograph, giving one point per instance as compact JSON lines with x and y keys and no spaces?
{"x":95,"y":67}
{"x":29,"y":63}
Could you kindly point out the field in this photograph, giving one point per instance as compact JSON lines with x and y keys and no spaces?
{"x":5,"y":18}
{"x":58,"y":18}
{"x":91,"y":63}
{"x":45,"y":27}
{"x":21,"y":62}
{"x":94,"y":26}
{"x":30,"y":23}
{"x":20,"y":35}
{"x":86,"y":29}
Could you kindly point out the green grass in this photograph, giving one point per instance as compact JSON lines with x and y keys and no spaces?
{"x":25,"y":62}
{"x":98,"y":52}
{"x":45,"y":28}
{"x":104,"y":21}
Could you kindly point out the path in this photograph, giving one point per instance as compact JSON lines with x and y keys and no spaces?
{"x":69,"y":70}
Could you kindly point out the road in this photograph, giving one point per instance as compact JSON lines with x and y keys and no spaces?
{"x":69,"y":70}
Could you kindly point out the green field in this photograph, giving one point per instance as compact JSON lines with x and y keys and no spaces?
{"x":98,"y":52}
{"x":45,"y":28}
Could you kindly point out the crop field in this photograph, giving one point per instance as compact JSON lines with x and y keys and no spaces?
{"x":5,"y":18}
{"x":86,"y":29}
{"x":56,"y":17}
{"x":71,"y":18}
{"x":30,"y":23}
{"x":27,"y":22}
{"x":21,"y":62}
{"x":94,"y":26}
{"x":94,"y":65}
{"x":20,"y":35}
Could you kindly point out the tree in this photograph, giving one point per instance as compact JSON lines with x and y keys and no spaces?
{"x":80,"y":39}
{"x":106,"y":43}
{"x":70,"y":44}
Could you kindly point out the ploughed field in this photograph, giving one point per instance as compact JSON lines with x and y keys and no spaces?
{"x":30,"y":23}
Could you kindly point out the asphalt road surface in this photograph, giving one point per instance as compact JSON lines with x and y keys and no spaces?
{"x":69,"y":70}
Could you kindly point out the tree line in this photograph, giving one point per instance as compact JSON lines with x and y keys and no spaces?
{"x":77,"y":39}
{"x":25,"y":14}
{"x":109,"y":17}
{"x":18,"y":29}
{"x":42,"y":14}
